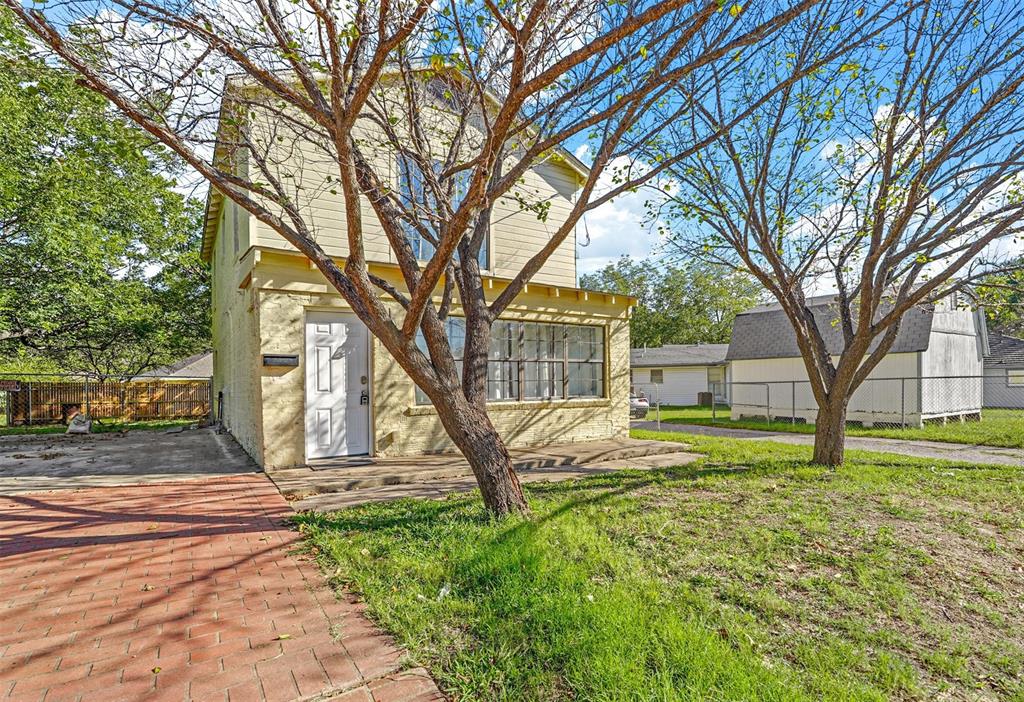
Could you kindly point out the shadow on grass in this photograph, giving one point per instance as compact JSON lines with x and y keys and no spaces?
{"x":467,"y":508}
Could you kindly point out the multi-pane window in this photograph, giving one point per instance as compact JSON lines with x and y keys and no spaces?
{"x":503,"y":362}
{"x":543,"y":359}
{"x":456,"y":330}
{"x":585,"y":353}
{"x":657,"y":376}
{"x":418,"y":198}
{"x":1015,"y":378}
{"x":535,"y":361}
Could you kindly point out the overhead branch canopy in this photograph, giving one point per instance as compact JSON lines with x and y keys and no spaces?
{"x":420,"y":118}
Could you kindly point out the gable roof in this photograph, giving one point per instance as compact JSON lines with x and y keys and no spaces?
{"x":765,"y":331}
{"x":678,"y":355}
{"x":198,"y":365}
{"x":1007,"y":351}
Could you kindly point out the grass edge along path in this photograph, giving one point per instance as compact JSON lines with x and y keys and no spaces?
{"x":998,"y":427}
{"x":99,"y":426}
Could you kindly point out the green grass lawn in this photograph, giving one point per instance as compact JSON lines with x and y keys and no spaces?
{"x":98,"y":427}
{"x":751,"y":575}
{"x":998,"y":427}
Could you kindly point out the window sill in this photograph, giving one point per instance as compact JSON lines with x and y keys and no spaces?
{"x":492,"y":407}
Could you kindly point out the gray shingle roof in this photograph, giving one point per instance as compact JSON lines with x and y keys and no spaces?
{"x":199,"y":365}
{"x":678,"y":355}
{"x":1005,"y":351}
{"x":765,"y":331}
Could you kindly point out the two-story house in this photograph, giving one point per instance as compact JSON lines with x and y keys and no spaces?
{"x":298,"y":377}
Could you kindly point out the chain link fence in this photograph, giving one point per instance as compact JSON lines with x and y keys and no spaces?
{"x":878,"y":402}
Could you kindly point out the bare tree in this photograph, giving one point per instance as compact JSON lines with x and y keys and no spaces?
{"x":891,"y":176}
{"x":316,"y":96}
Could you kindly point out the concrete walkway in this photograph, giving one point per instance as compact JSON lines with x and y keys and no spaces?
{"x":438,"y":488}
{"x":339,"y":483}
{"x":185,"y":590}
{"x":965,"y":453}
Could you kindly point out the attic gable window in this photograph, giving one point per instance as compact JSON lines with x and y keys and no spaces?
{"x":416,"y":197}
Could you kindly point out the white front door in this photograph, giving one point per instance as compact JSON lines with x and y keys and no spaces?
{"x":337,"y":386}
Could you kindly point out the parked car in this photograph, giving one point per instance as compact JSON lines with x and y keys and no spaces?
{"x":638,"y":406}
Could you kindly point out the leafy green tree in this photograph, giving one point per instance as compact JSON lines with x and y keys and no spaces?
{"x":460,"y":100}
{"x":1002,"y":296}
{"x":889,"y":173}
{"x":687,"y":304}
{"x":99,"y":269}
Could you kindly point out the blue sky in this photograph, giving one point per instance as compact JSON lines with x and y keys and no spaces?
{"x":615,"y":229}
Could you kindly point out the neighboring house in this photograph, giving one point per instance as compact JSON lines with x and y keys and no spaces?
{"x":932,"y":372}
{"x":300,"y":378}
{"x":676,"y":373}
{"x":1004,"y":372}
{"x":198,"y":365}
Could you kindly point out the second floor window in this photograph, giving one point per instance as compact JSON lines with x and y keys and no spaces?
{"x":420,"y":200}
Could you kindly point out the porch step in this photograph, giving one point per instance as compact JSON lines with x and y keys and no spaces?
{"x":342,"y":475}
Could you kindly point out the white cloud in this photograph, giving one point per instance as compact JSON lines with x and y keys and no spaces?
{"x":621,"y":227}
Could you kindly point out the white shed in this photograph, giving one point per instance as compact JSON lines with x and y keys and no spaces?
{"x":676,"y":373}
{"x":934,"y":370}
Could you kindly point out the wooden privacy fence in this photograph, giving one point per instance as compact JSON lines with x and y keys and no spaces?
{"x":45,"y":402}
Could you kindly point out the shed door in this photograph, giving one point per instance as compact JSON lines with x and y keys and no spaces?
{"x":337,"y":386}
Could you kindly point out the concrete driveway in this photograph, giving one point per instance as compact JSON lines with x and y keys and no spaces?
{"x":31,"y":463}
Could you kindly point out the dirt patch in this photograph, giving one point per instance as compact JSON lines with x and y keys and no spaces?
{"x":936,"y":582}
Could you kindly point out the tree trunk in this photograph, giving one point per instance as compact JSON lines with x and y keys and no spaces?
{"x":474,"y":434}
{"x":830,"y":434}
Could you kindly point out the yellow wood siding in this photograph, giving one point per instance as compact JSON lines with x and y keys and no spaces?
{"x":516,"y":233}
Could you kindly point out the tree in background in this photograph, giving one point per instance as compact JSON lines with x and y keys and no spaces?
{"x":893,"y":176}
{"x":686,"y":304}
{"x":1002,"y":296}
{"x":331,"y":98}
{"x":99,"y":263}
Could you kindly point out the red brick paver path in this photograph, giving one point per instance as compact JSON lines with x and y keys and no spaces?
{"x":179,"y":591}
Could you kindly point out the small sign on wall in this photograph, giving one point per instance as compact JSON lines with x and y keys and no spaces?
{"x":10,"y":386}
{"x":287,"y":360}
